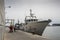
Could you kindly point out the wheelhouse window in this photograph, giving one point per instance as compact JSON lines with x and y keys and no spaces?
{"x":31,"y":20}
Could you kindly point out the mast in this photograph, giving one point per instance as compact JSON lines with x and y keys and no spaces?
{"x":31,"y":13}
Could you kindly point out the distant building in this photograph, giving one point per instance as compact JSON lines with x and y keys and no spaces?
{"x":55,"y":24}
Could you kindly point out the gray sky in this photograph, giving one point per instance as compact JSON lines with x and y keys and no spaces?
{"x":43,"y":9}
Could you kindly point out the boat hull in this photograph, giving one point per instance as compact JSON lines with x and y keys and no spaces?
{"x":36,"y":27}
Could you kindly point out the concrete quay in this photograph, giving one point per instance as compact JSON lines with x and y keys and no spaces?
{"x":1,"y":33}
{"x":20,"y":35}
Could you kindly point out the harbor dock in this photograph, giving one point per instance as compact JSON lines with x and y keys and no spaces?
{"x":20,"y":35}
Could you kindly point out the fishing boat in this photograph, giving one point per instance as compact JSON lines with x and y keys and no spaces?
{"x":33,"y":25}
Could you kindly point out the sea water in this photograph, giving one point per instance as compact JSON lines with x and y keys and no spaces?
{"x":52,"y":32}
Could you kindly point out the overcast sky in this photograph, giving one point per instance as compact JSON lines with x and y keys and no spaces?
{"x":43,"y":9}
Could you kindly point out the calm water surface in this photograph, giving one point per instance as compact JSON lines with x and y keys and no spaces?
{"x":52,"y":32}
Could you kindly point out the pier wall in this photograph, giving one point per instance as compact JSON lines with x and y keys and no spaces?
{"x":2,"y":19}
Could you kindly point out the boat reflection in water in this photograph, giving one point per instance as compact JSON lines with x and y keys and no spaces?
{"x":33,"y":25}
